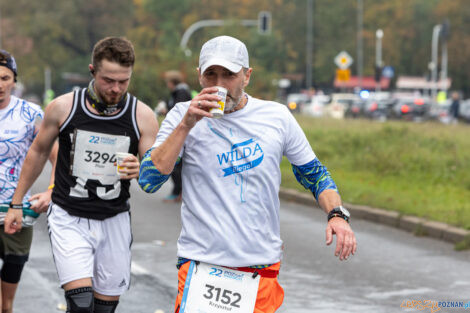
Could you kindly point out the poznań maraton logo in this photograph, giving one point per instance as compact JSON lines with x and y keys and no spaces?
{"x":434,"y":306}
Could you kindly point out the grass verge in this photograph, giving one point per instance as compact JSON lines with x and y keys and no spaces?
{"x":415,"y":169}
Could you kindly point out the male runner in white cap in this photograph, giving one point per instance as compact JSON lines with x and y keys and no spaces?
{"x":230,"y":248}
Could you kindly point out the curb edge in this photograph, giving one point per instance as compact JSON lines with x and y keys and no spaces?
{"x":417,"y":225}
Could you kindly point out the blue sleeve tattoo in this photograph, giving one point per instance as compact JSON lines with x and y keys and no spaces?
{"x":150,"y":179}
{"x":314,"y":177}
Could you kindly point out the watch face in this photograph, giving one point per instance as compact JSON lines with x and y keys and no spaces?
{"x":344,"y":211}
{"x":339,"y":211}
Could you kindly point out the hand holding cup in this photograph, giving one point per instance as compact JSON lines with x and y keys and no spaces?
{"x":127,"y":165}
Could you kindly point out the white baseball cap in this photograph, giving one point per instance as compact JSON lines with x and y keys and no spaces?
{"x":225,"y":51}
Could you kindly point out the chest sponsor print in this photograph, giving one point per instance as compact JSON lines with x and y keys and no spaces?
{"x":242,"y":157}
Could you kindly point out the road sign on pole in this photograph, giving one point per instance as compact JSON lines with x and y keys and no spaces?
{"x":343,"y":75}
{"x":264,"y":22}
{"x":343,"y":60}
{"x":388,"y":72}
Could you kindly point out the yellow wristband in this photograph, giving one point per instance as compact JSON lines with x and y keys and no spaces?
{"x":50,"y":187}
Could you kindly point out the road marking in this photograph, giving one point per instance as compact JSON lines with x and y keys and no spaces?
{"x":39,"y":280}
{"x":136,"y":269}
{"x":396,"y":293}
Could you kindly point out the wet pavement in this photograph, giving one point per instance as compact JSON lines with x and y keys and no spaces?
{"x":390,"y":266}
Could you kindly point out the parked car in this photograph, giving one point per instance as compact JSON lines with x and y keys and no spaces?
{"x":295,"y":101}
{"x":412,"y":109}
{"x":356,"y":109}
{"x":464,"y":111}
{"x":316,"y":107}
{"x":339,"y":104}
{"x":440,"y":112}
{"x":421,"y":108}
{"x":379,"y":109}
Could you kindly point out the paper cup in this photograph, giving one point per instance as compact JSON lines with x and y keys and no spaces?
{"x":219,"y":112}
{"x":120,"y":157}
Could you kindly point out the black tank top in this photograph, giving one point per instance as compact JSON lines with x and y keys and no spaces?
{"x":86,"y":181}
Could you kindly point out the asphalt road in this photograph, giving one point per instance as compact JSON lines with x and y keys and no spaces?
{"x":390,"y":266}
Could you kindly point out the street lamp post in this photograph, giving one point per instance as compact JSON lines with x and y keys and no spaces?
{"x":360,"y":9}
{"x":434,"y":63}
{"x":443,"y":75}
{"x":378,"y":56}
{"x":308,"y":73}
{"x":263,"y":22}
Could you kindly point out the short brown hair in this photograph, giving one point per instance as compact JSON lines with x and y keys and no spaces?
{"x":175,"y":77}
{"x":113,"y":49}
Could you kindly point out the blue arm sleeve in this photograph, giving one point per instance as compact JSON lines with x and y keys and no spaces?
{"x":150,"y":179}
{"x":314,"y":177}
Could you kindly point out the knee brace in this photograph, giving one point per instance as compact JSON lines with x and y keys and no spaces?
{"x":11,"y":272}
{"x":102,"y":306}
{"x":79,"y":300}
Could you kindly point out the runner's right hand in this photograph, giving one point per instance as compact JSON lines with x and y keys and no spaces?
{"x":13,"y":221}
{"x":200,"y":105}
{"x":40,"y":201}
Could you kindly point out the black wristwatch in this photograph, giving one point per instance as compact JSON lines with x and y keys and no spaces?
{"x":339,"y":211}
{"x":16,"y":206}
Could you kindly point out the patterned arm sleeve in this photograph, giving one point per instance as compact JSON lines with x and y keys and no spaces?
{"x":314,"y":177}
{"x":150,"y":179}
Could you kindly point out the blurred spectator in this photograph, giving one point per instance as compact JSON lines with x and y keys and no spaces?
{"x":160,"y":108}
{"x":180,"y":92}
{"x":454,"y":107}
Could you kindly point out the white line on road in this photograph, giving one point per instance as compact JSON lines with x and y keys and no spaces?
{"x":136,"y":269}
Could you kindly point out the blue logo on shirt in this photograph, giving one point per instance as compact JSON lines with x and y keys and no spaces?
{"x":242,"y":153}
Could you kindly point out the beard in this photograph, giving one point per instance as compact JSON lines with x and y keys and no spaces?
{"x":233,"y":100}
{"x":110,"y":99}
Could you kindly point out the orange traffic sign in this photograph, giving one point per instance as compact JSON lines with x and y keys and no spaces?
{"x":343,"y":75}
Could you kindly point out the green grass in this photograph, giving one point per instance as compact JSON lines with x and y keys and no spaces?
{"x":463,"y":245}
{"x":416,"y":169}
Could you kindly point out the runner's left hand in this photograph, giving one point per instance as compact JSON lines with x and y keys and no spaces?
{"x":346,"y":243}
{"x":130,"y":168}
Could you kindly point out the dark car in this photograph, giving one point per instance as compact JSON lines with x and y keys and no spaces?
{"x":379,"y":109}
{"x":464,"y":110}
{"x":355,"y":109}
{"x":412,"y":109}
{"x":421,"y":108}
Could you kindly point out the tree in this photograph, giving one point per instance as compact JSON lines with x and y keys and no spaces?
{"x":62,"y":38}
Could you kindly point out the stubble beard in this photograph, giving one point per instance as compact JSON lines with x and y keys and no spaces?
{"x":232,"y":103}
{"x":106,"y":100}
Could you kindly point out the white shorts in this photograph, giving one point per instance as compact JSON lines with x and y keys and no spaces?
{"x":85,"y":248}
